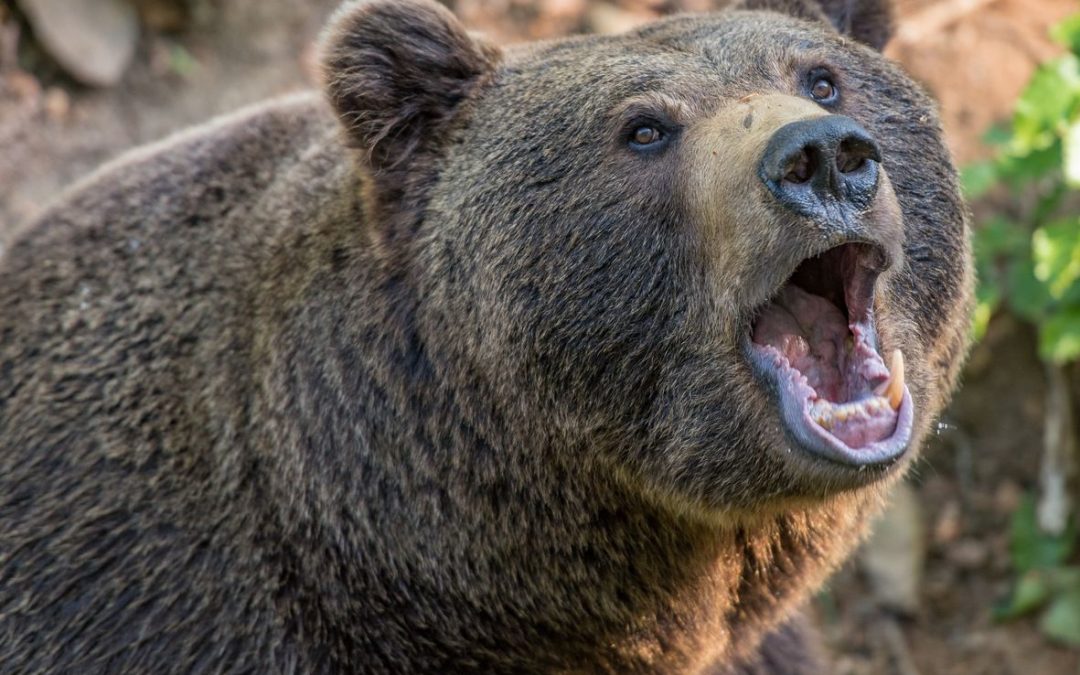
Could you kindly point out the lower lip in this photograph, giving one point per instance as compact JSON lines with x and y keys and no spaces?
{"x":813,"y":438}
{"x":808,"y":435}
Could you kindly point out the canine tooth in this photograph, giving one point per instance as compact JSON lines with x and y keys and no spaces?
{"x":895,"y":391}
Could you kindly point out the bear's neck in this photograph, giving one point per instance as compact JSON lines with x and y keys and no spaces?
{"x":420,"y":523}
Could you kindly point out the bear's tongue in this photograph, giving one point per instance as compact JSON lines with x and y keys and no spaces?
{"x":851,"y":393}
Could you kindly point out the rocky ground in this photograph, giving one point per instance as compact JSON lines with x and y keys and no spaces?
{"x":940,"y":558}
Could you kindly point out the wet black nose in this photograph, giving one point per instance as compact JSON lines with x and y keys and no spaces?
{"x":822,"y":167}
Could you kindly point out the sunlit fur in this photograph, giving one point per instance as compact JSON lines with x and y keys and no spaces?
{"x":435,"y":374}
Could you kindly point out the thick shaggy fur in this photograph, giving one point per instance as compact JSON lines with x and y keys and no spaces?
{"x":435,"y":375}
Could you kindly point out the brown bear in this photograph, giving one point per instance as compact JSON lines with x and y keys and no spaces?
{"x":592,"y":355}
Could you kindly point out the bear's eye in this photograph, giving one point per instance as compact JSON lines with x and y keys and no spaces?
{"x":823,"y":90}
{"x":646,"y":135}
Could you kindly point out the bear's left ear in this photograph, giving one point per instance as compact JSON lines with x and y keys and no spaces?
{"x":395,"y":71}
{"x":868,"y":21}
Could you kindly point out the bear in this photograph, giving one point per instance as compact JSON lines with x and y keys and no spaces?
{"x":589,"y":355}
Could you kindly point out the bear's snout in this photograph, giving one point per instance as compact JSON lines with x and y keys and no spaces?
{"x":813,"y":166}
{"x":773,"y":176}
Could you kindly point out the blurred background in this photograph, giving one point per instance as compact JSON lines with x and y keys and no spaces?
{"x":973,"y":570}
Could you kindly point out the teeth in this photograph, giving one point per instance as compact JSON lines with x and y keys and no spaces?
{"x":888,"y":395}
{"x":829,"y":414}
{"x":795,"y":346}
{"x":893,"y":388}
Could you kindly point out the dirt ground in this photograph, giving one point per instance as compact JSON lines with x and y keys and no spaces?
{"x":199,"y":58}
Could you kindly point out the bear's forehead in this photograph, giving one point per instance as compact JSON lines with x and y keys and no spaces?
{"x":731,"y":40}
{"x":713,"y":54}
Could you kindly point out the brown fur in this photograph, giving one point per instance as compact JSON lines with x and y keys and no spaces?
{"x":440,"y":377}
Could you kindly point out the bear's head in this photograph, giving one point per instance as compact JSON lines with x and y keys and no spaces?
{"x":724,"y":255}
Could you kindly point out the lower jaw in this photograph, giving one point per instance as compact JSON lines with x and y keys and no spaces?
{"x":812,"y":438}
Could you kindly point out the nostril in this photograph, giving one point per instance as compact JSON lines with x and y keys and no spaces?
{"x":847,"y":161}
{"x":818,"y":165}
{"x":853,"y":153}
{"x":800,"y":167}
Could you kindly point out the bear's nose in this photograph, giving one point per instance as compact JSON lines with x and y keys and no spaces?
{"x":822,"y":167}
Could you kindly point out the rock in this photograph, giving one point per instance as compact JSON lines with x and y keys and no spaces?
{"x":968,"y":554}
{"x":57,"y":104}
{"x":21,"y":85}
{"x":9,"y":42}
{"x":948,"y":526}
{"x":893,"y":556}
{"x":1007,"y":497}
{"x":93,"y":40}
{"x":167,"y":16}
{"x":603,"y":17}
{"x":563,"y":8}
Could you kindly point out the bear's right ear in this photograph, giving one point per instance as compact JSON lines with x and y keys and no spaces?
{"x":395,"y":72}
{"x":868,"y":21}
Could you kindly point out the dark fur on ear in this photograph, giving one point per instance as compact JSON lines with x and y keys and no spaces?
{"x":395,"y":71}
{"x":868,"y":21}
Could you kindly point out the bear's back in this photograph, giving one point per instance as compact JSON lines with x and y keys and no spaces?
{"x":125,"y":337}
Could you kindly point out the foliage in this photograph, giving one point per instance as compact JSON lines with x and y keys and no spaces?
{"x":1030,"y":264}
{"x":1046,"y":584}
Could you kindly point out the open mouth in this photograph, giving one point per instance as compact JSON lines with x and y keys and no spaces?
{"x":815,"y":342}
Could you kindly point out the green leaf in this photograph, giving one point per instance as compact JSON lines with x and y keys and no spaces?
{"x":1004,"y":263}
{"x":1000,"y":237}
{"x":1056,"y":251}
{"x":996,"y":244}
{"x":1067,"y":33}
{"x":998,"y":135}
{"x":1070,"y":153}
{"x":182,"y":62}
{"x":1029,"y":298}
{"x":978,"y":178}
{"x":1021,"y":169}
{"x":1049,"y":202}
{"x":1030,"y":547}
{"x":1035,"y":588}
{"x":984,"y":311}
{"x":1062,"y":619}
{"x":1064,"y":579}
{"x":1071,"y":297}
{"x":1059,"y":336}
{"x":1047,"y":102}
{"x":1031,"y":592}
